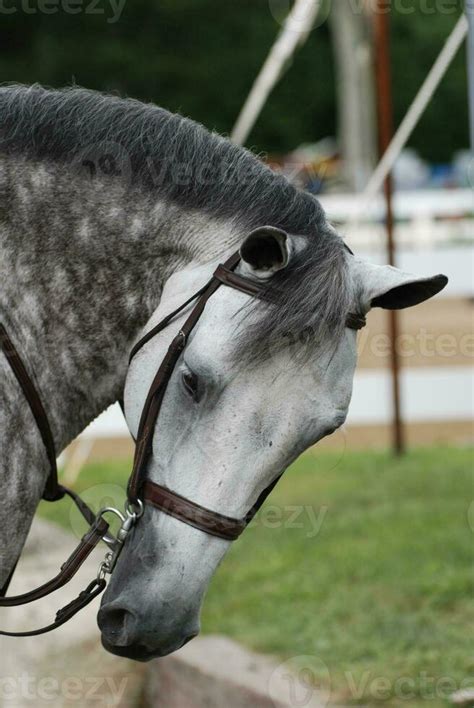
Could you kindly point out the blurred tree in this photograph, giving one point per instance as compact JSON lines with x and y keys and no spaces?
{"x":200,"y":57}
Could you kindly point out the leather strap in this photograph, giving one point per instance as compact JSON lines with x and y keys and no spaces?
{"x":52,"y":490}
{"x":88,"y":542}
{"x":250,"y":287}
{"x":164,"y":323}
{"x":233,"y":280}
{"x":193,"y":514}
{"x":69,"y":568}
{"x":6,"y":584}
{"x":158,"y":387}
{"x":84,"y":508}
{"x":65,"y":613}
{"x":89,"y":516}
{"x":206,"y":520}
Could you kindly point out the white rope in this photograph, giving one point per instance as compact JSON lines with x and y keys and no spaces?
{"x":409,"y":123}
{"x":297,"y":26}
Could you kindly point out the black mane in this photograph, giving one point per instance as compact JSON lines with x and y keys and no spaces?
{"x":182,"y":161}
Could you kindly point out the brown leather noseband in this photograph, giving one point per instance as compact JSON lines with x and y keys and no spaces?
{"x":140,"y":489}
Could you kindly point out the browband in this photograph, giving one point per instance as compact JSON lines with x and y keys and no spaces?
{"x":250,"y":287}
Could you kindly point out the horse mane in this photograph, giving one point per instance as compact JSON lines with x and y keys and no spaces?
{"x":183,"y":162}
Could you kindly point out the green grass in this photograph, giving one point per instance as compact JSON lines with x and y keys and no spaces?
{"x":381,"y":594}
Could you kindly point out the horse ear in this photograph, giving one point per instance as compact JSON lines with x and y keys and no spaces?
{"x":394,"y":289}
{"x":266,"y":250}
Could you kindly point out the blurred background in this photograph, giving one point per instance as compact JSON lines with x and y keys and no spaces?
{"x":369,"y":591}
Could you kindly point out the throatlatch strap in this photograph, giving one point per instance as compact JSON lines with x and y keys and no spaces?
{"x":52,"y":490}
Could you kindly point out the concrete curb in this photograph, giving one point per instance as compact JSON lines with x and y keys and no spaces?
{"x":213,"y":671}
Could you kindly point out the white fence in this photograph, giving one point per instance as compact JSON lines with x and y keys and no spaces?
{"x":424,"y":219}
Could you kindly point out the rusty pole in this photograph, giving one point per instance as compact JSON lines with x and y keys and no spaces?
{"x":385,"y":132}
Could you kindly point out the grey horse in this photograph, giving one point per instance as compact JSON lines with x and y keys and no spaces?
{"x":111,"y":213}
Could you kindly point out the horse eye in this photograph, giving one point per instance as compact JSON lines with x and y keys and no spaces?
{"x":190,"y":383}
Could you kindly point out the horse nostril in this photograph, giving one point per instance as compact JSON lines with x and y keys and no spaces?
{"x":117,"y":624}
{"x":189,"y":637}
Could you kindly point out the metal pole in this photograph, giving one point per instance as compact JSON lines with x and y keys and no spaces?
{"x":412,"y":118}
{"x":470,"y":66}
{"x":295,"y":31}
{"x":385,"y":129}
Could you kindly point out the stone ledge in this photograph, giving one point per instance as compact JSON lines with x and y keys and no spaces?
{"x":213,"y":671}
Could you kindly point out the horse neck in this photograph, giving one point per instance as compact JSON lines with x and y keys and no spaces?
{"x":83,"y":269}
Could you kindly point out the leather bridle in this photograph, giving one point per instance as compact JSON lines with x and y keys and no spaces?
{"x":140,"y":490}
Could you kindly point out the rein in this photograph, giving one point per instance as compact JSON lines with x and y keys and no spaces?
{"x":140,"y":490}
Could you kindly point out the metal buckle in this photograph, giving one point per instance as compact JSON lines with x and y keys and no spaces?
{"x":128,"y":520}
{"x":109,"y":539}
{"x":136,"y":509}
